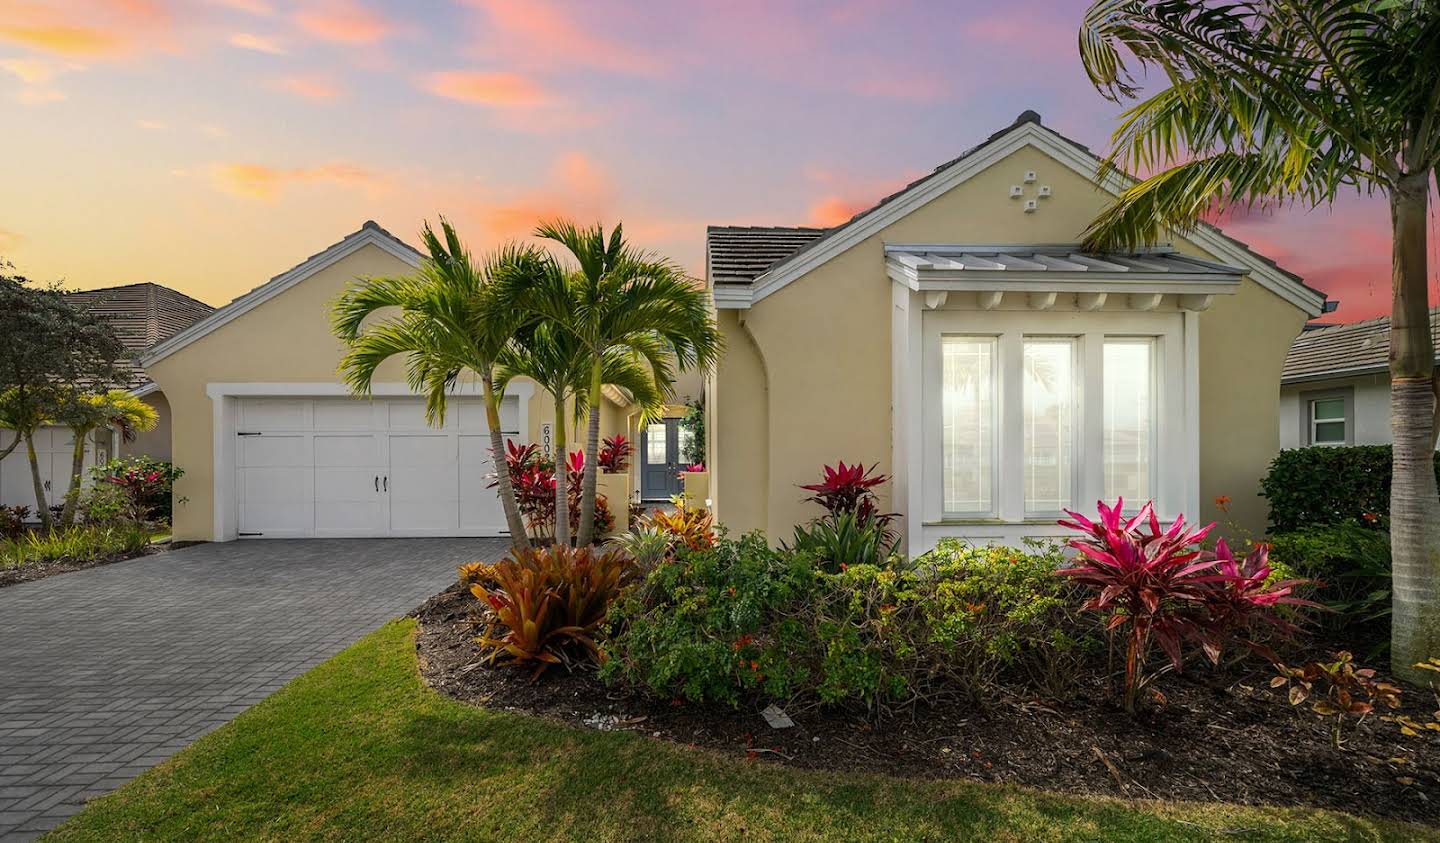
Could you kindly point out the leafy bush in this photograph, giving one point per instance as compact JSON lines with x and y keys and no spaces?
{"x":78,"y":543}
{"x":147,"y":486}
{"x":12,"y":521}
{"x":1342,"y":689}
{"x":550,"y":601}
{"x":742,"y":619}
{"x":648,"y":546}
{"x":694,"y":421}
{"x":1317,"y":486}
{"x":532,"y":475}
{"x":1350,"y":563}
{"x":1165,"y":590}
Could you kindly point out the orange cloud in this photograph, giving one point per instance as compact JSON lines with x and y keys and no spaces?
{"x":833,"y":210}
{"x":505,"y":90}
{"x":309,"y":87}
{"x":343,"y":21}
{"x":86,"y":28}
{"x":576,"y":187}
{"x":31,"y":71}
{"x":545,"y":34}
{"x":65,"y":40}
{"x":258,"y":181}
{"x":254,"y":7}
{"x":259,"y":43}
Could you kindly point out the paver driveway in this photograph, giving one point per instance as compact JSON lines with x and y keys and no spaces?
{"x":107,"y":672}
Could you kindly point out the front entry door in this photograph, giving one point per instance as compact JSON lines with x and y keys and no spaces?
{"x":660,"y":460}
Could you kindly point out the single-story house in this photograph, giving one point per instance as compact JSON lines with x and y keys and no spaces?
{"x":1335,"y":388}
{"x":274,"y":445}
{"x":957,"y":337}
{"x":142,"y":315}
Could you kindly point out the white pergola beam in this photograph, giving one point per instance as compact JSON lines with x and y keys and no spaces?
{"x":1042,"y":301}
{"x":935,"y":299}
{"x":1091,"y":301}
{"x":1196,"y":302}
{"x":990,"y":299}
{"x":1145,"y":301}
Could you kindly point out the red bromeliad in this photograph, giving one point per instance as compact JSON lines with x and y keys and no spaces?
{"x":846,"y":488}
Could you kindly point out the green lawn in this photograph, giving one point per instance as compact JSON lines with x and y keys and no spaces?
{"x":359,"y":749}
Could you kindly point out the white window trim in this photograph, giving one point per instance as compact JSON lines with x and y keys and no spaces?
{"x":1077,"y":425}
{"x":1176,"y":373}
{"x":1347,"y":415}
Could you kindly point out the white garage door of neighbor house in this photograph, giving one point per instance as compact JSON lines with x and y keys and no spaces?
{"x":54,"y":452}
{"x":343,"y":467}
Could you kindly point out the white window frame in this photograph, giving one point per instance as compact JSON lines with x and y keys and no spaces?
{"x":1157,"y":364}
{"x":1346,"y":399}
{"x":996,"y":419}
{"x":1175,"y":448}
{"x":1077,"y":421}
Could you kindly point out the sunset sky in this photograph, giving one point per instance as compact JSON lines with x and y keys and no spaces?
{"x":210,"y":145}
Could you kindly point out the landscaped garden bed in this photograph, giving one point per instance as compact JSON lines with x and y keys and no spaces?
{"x":1218,"y":738}
{"x":94,"y":548}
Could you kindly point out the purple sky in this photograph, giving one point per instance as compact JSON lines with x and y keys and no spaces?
{"x":210,"y":145}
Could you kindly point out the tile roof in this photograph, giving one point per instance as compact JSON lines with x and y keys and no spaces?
{"x":142,"y":314}
{"x":738,"y":253}
{"x":1352,"y":348}
{"x":735,"y":249}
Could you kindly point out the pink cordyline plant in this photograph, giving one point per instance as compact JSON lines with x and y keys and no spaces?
{"x":1167,"y":590}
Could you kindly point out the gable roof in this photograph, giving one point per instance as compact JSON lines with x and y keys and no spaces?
{"x":1356,"y":348}
{"x":367,"y":235}
{"x":142,"y":314}
{"x":1025,"y":131}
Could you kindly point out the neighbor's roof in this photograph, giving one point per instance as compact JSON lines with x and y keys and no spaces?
{"x":755,"y":257}
{"x":142,"y":314}
{"x":1356,"y":348}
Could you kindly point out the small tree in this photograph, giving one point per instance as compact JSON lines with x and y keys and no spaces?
{"x":48,"y":350}
{"x":84,"y":413}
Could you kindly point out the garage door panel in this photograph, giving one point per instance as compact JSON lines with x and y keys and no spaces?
{"x":275,"y":413}
{"x":273,"y":450}
{"x":479,"y":504}
{"x":361,"y":449}
{"x":344,"y":414}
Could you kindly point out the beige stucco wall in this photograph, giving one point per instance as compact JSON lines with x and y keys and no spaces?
{"x":152,"y":443}
{"x":806,"y":379}
{"x":284,"y":340}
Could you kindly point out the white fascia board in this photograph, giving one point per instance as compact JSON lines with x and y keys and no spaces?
{"x":732,"y":296}
{"x":276,"y":286}
{"x":1045,"y":282}
{"x":147,"y":389}
{"x":1027,"y":134}
{"x":329,"y":389}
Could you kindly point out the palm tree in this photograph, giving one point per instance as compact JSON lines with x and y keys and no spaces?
{"x":555,"y":359}
{"x":1291,"y":102}
{"x":452,"y":318}
{"x":621,"y":298}
{"x":86,"y":412}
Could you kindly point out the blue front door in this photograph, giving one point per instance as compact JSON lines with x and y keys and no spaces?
{"x":660,"y":460}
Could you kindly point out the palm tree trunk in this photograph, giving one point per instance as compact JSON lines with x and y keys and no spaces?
{"x":42,"y":508}
{"x":77,"y":465}
{"x":592,"y":458}
{"x":519,"y":538}
{"x":1414,"y":501}
{"x":562,"y":476}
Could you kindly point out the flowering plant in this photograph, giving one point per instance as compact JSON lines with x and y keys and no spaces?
{"x":614,"y":457}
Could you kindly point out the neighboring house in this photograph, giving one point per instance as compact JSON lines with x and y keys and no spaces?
{"x":956,"y":337}
{"x":1335,"y":389}
{"x":273,"y":445}
{"x":142,"y":315}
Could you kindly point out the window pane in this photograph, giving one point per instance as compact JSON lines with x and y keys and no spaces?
{"x":655,"y":444}
{"x":1129,"y":419}
{"x":1328,"y":409}
{"x":686,"y":438}
{"x":1049,"y":416}
{"x":967,"y":416}
{"x":1329,"y":433}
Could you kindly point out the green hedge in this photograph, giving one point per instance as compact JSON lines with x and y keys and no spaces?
{"x":1322,"y":485}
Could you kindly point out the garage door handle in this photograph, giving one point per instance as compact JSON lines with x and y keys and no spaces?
{"x":377,"y":482}
{"x":387,"y":483}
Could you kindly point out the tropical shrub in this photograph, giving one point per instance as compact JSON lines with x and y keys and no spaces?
{"x":1344,"y":690}
{"x":841,"y":540}
{"x":1349,"y":563}
{"x":691,"y":527}
{"x":147,"y":484}
{"x":615,"y":455}
{"x":712,"y":625}
{"x":547,"y":603}
{"x":532,"y":476}
{"x":77,"y":543}
{"x":1163,"y":589}
{"x":477,"y":573}
{"x":12,"y":521}
{"x":647,"y":545}
{"x":1309,"y":487}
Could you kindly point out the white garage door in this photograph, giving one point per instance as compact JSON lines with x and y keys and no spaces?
{"x":346,"y":467}
{"x":54,"y":452}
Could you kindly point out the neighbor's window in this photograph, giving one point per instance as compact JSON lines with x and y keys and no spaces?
{"x":968,"y":423}
{"x":1049,"y":414}
{"x":1327,"y":421}
{"x":1129,"y":419}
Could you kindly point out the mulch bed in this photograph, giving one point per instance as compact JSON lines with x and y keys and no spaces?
{"x":1230,"y":739}
{"x":30,"y":572}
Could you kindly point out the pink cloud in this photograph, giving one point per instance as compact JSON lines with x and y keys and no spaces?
{"x":253,"y":7}
{"x":542,"y":33}
{"x":87,"y":28}
{"x":258,"y":181}
{"x":319,"y":88}
{"x":576,"y":186}
{"x":344,"y":21}
{"x":258,"y":43}
{"x":505,"y":90}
